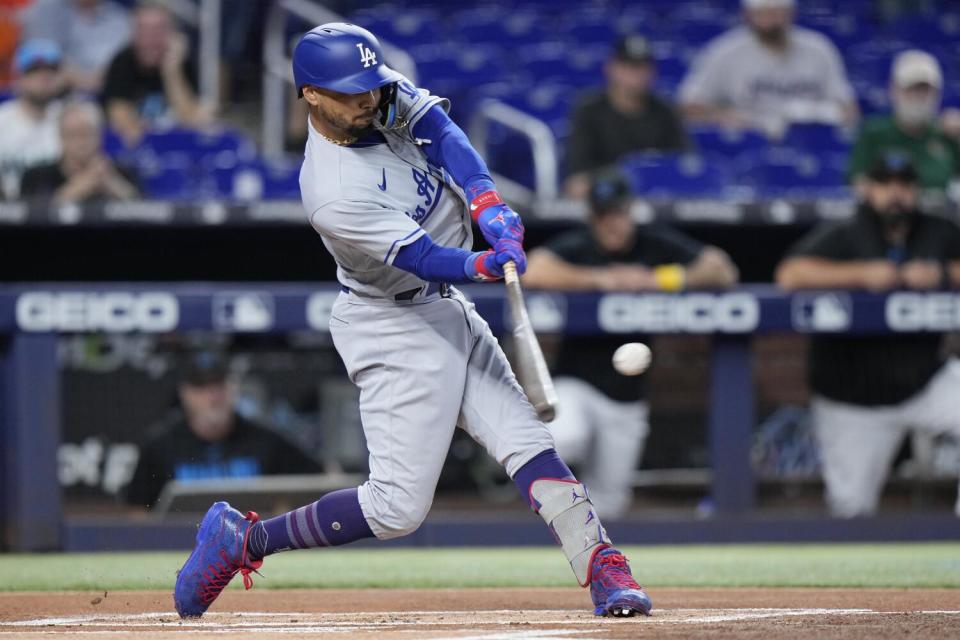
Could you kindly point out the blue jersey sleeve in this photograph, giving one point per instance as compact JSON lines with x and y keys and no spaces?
{"x":434,"y":263}
{"x":450,"y":149}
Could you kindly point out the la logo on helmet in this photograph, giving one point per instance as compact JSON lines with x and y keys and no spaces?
{"x":367,"y":56}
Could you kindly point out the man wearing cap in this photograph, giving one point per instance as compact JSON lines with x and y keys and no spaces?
{"x":603,"y":422}
{"x":915,"y":88}
{"x":768,"y":74}
{"x":208,"y":439}
{"x":30,"y":121}
{"x":625,"y":117}
{"x":869,"y":391}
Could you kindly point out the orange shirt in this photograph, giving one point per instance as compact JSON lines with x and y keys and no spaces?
{"x":9,"y":37}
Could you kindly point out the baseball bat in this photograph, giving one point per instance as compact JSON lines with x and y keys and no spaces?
{"x":532,"y":369}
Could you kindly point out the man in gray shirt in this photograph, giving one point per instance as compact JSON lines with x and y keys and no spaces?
{"x":768,"y":74}
{"x":90,"y":32}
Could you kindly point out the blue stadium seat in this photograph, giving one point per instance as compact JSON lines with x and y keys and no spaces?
{"x":505,"y":27}
{"x":260,"y":179}
{"x":725,"y":142}
{"x":815,"y":137}
{"x":679,"y":175}
{"x":198,"y":145}
{"x":593,"y":26}
{"x":407,"y":27}
{"x":175,"y":181}
{"x":785,"y":172}
{"x":466,"y":67}
{"x":558,"y":62}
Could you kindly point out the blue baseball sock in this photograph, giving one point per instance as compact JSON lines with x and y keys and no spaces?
{"x":333,"y":520}
{"x":543,"y":465}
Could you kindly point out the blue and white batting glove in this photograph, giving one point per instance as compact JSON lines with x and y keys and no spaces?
{"x":507,"y":249}
{"x":495,"y":219}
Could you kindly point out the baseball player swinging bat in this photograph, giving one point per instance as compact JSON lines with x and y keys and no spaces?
{"x":531,"y":367}
{"x":392,"y":186}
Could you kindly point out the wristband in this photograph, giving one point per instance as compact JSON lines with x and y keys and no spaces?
{"x":476,"y":268}
{"x":670,"y":277}
{"x":484,"y":201}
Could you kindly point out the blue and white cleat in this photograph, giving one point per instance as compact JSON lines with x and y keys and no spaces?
{"x":612,"y":588}
{"x":221,"y":553}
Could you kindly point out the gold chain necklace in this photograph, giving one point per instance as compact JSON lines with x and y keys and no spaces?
{"x":341,"y":143}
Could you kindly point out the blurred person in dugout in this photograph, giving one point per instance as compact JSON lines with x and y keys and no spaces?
{"x":90,"y":32}
{"x":870,"y":391}
{"x":207,"y":438}
{"x":624,"y":117}
{"x":152,"y":82}
{"x":83,"y":173}
{"x":914,"y":128}
{"x":602,"y":421}
{"x":768,"y":74}
{"x":30,"y":121}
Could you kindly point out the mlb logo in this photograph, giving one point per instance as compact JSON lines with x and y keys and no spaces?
{"x":548,"y":312}
{"x":244,"y":311}
{"x":822,"y":312}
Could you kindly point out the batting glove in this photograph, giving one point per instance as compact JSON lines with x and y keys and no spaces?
{"x":495,"y":219}
{"x":483,"y":266}
{"x":508,"y":249}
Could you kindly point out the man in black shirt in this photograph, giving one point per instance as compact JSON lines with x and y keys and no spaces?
{"x":83,"y":172}
{"x":602,"y":422}
{"x":152,"y":81}
{"x":209,"y":439}
{"x":625,"y":117}
{"x":870,"y":390}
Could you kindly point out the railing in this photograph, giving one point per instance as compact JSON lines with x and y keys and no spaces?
{"x":542,"y":143}
{"x":277,"y":76}
{"x":205,"y":18}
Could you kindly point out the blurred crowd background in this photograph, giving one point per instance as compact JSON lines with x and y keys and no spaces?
{"x":594,"y":116}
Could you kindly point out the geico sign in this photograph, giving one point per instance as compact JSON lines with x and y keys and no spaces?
{"x":693,"y":313}
{"x":923,"y":311}
{"x":76,"y":311}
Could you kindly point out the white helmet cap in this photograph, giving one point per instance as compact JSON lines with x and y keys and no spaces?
{"x":916,"y":67}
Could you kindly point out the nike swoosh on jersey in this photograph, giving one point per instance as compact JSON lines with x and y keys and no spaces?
{"x":383,"y":185}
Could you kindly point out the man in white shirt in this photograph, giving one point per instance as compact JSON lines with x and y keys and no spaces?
{"x":768,"y":74}
{"x":30,"y":121}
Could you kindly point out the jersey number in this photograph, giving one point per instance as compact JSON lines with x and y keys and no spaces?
{"x":367,"y":56}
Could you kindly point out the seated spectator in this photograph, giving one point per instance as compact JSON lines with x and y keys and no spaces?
{"x":915,"y":88}
{"x":768,"y":74}
{"x":602,"y":424}
{"x":29,"y":122}
{"x":83,"y":173}
{"x":152,"y":82}
{"x":209,"y":439}
{"x":624,"y":117}
{"x":90,"y":32}
{"x":869,"y":391}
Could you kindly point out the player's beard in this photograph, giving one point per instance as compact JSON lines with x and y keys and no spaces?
{"x":349,"y":127}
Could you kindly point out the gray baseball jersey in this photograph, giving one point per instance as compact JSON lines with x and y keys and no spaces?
{"x":369,"y":201}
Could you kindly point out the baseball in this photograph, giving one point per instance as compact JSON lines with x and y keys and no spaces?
{"x":632,"y":359}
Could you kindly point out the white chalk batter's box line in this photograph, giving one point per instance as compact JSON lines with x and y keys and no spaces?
{"x":345,"y":622}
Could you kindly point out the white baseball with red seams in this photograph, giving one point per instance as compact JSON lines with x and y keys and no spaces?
{"x":632,"y":359}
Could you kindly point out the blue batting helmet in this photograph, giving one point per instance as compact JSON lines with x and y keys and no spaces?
{"x":341,"y":57}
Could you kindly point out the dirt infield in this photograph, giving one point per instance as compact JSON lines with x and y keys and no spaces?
{"x":488,"y":614}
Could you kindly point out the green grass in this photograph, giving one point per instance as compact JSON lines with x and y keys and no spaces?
{"x":886,"y":565}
